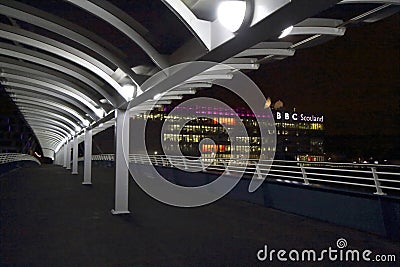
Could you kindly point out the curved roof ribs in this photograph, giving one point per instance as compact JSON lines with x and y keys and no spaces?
{"x":69,"y":82}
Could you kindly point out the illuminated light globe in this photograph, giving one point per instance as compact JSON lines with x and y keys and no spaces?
{"x":99,"y":112}
{"x":128,"y":91}
{"x":231,"y":14}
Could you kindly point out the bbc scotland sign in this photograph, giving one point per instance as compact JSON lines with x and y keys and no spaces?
{"x":298,"y":117}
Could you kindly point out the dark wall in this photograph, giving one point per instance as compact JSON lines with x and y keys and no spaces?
{"x":15,"y":134}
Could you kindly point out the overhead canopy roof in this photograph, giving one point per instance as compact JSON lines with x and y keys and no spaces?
{"x":68,"y":64}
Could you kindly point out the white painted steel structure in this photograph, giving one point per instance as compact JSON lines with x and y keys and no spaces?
{"x":69,"y":75}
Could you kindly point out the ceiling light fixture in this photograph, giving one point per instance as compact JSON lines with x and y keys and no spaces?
{"x":232,"y":14}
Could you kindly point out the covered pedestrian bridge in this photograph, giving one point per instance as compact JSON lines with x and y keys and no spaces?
{"x":75,"y":68}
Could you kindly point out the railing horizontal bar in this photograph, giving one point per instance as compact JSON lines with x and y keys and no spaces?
{"x":339,"y":182}
{"x":335,"y":169}
{"x":340,"y":176}
{"x":272,"y":170}
{"x":388,"y":173}
{"x":390,"y":181}
{"x":391,"y":188}
{"x":284,"y":176}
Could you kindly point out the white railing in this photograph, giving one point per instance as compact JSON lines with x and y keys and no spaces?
{"x":15,"y":157}
{"x":371,"y":178}
{"x":102,"y":157}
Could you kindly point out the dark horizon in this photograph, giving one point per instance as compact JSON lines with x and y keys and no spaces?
{"x":353,"y":80}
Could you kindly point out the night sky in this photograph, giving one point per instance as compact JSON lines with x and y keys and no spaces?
{"x":353,"y":80}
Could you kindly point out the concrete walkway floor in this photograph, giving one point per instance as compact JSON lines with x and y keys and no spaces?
{"x":47,"y":218}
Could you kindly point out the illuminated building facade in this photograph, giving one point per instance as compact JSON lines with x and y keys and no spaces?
{"x":299,"y":136}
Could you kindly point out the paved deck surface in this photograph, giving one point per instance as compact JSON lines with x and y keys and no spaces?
{"x":47,"y":218}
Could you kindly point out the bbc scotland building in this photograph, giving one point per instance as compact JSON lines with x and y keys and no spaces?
{"x":299,"y":136}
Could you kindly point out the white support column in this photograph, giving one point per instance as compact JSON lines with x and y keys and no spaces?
{"x":69,"y":155}
{"x":87,"y":177}
{"x":121,"y":168}
{"x":65,"y":151}
{"x":75,"y":156}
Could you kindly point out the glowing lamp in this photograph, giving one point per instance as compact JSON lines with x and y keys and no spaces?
{"x":231,"y":14}
{"x":128,"y":91}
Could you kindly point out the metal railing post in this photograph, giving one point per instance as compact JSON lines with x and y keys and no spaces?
{"x":202,"y":164}
{"x":226,"y":166}
{"x":377,"y":183}
{"x":304,"y":173}
{"x":258,"y":171}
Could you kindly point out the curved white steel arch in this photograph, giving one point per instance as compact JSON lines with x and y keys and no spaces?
{"x":49,"y":135}
{"x":35,"y":123}
{"x":67,"y":29}
{"x":45,"y":103}
{"x":48,"y":140}
{"x":31,"y":76}
{"x":49,"y":145}
{"x":100,"y":11}
{"x":51,"y":89}
{"x":67,"y":52}
{"x":48,"y":120}
{"x":15,"y":66}
{"x":28,"y":90}
{"x":54,"y":138}
{"x":35,"y":40}
{"x":73,"y":110}
{"x":50,"y":132}
{"x":59,"y":65}
{"x":50,"y":128}
{"x":32,"y":109}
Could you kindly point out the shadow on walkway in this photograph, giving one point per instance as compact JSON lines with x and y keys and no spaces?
{"x":47,"y":218}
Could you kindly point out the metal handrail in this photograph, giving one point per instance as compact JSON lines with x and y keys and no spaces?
{"x":344,"y":175}
{"x":15,"y":157}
